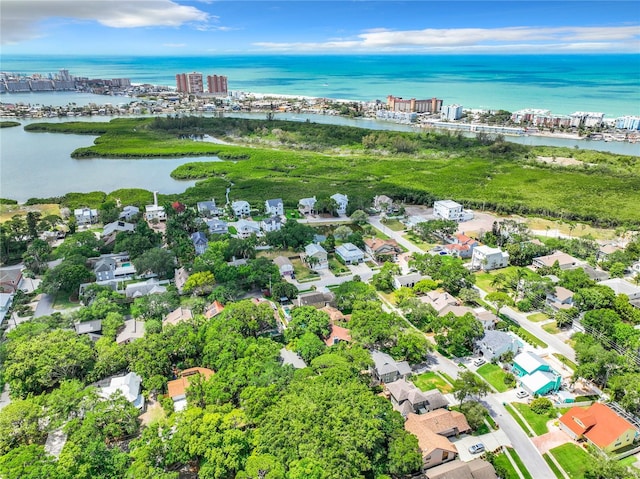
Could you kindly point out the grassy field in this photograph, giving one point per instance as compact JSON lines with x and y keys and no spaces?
{"x":537,"y":317}
{"x":537,"y":422}
{"x":302,"y":272}
{"x":494,"y":375}
{"x":571,"y":229}
{"x":336,"y":266}
{"x":484,"y":279}
{"x":432,"y":380}
{"x":500,"y":176}
{"x":9,"y":211}
{"x":63,"y":302}
{"x":394,"y":225}
{"x":573,"y":459}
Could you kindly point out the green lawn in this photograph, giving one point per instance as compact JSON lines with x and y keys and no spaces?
{"x":551,"y":328}
{"x":431,"y":380}
{"x":416,"y":240}
{"x":62,"y":301}
{"x":628,"y":461}
{"x":484,"y":279}
{"x":394,"y":225}
{"x":494,"y":375}
{"x":565,"y":360}
{"x":537,"y":422}
{"x":573,"y":459}
{"x":517,"y":418}
{"x":510,"y":472}
{"x":336,"y":266}
{"x":518,"y":461}
{"x":537,"y":317}
{"x":528,"y":337}
{"x":302,"y":272}
{"x":553,"y":466}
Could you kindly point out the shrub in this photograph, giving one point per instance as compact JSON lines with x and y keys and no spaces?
{"x":542,"y":406}
{"x":525,"y":305}
{"x":510,"y":380}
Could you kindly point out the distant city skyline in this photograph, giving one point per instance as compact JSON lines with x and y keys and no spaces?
{"x":203,"y":27}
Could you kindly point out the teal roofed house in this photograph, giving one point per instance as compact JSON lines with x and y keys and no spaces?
{"x":535,"y":375}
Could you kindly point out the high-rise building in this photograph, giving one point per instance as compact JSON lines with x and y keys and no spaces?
{"x":432,"y":105}
{"x":217,"y":84}
{"x":189,"y":82}
{"x":451,"y":112}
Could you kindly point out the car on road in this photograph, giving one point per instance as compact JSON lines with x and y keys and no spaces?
{"x":478,"y":361}
{"x":522,"y":394}
{"x":476,"y":448}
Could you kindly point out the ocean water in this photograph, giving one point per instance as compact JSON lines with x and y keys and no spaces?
{"x":560,"y":83}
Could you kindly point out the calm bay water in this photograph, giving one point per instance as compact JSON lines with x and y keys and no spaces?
{"x":561,"y":83}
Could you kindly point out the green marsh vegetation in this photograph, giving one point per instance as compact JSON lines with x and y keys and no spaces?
{"x":9,"y":124}
{"x":299,"y":159}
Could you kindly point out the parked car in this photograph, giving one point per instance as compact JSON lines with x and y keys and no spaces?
{"x":476,"y":448}
{"x":522,"y":394}
{"x":478,"y":361}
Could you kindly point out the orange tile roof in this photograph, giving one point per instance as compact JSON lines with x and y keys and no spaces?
{"x":213,"y":309}
{"x":178,"y":387}
{"x":338,"y":332}
{"x":602,"y":426}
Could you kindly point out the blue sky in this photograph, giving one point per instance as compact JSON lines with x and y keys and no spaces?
{"x":207,"y":27}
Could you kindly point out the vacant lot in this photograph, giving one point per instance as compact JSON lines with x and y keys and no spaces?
{"x":432,"y":380}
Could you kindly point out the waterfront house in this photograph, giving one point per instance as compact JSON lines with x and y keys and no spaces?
{"x":274,"y":207}
{"x":200,"y":242}
{"x":240,"y":209}
{"x":487,"y":258}
{"x":307,"y":206}
{"x":315,"y":256}
{"x":599,"y":425}
{"x":284,"y":265}
{"x":342,"y":201}
{"x":85,"y":216}
{"x":217,"y":227}
{"x":382,"y":250}
{"x":208,"y":208}
{"x":155,"y":212}
{"x":564,"y":261}
{"x":350,"y":253}
{"x":273,"y":223}
{"x":129,"y":212}
{"x":386,"y":369}
{"x":496,"y":343}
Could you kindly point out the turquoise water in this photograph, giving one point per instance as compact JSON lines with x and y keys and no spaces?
{"x":560,"y":83}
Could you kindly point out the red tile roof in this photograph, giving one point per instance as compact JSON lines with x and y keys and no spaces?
{"x":600,"y":424}
{"x":338,"y":332}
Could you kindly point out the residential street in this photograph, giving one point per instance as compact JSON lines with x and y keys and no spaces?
{"x":376,"y":223}
{"x":45,"y":305}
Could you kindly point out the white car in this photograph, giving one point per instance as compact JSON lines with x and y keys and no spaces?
{"x":521,"y":394}
{"x":478,"y":362}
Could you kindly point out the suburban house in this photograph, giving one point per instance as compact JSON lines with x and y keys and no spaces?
{"x":114,"y":267}
{"x":10,"y":280}
{"x":155,"y":212}
{"x":382,"y":250}
{"x":217,"y":227}
{"x":475,"y":469}
{"x":450,"y":210}
{"x":461,"y":245}
{"x":604,"y":251}
{"x":274,"y":207}
{"x":241,"y":208}
{"x":487,"y":318}
{"x":214,"y":309}
{"x":432,"y":430}
{"x":128,"y":385}
{"x":307,"y":206}
{"x":317,"y":299}
{"x":284,"y":266}
{"x":200,"y":242}
{"x":177,"y":316}
{"x":137,"y":290}
{"x":85,"y":216}
{"x":386,"y":369}
{"x":407,"y":398}
{"x":129,"y":212}
{"x":247,"y":228}
{"x":622,"y":286}
{"x":439,"y":300}
{"x":315,"y":256}
{"x":382,"y":203}
{"x":342,"y":201}
{"x":487,"y":258}
{"x":292,"y":358}
{"x":457,"y":310}
{"x":177,"y":389}
{"x":534,"y":374}
{"x":600,"y":425}
{"x":337,"y":334}
{"x":597,"y":275}
{"x":6,"y":299}
{"x":132,"y":330}
{"x":564,"y":260}
{"x":273,"y":223}
{"x":406,"y":280}
{"x":560,"y":298}
{"x":208,"y":208}
{"x":350,"y":253}
{"x":496,"y":343}
{"x":412,"y":221}
{"x":110,"y":230}
{"x":91,"y":328}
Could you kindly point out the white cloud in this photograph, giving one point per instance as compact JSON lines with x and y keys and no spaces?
{"x":20,"y":18}
{"x":514,"y":39}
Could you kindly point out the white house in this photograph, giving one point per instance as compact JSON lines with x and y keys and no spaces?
{"x":129,"y":212}
{"x":284,"y":265}
{"x":208,"y":208}
{"x":342,"y":202}
{"x":488,"y":258}
{"x":271,"y":224}
{"x":241,"y":208}
{"x":622,"y":286}
{"x":246,"y":228}
{"x":495,"y":343}
{"x":316,"y":251}
{"x":128,"y":385}
{"x":274,"y":207}
{"x":450,"y":210}
{"x":155,"y":212}
{"x":307,"y":206}
{"x":217,"y":226}
{"x":85,"y":216}
{"x":406,"y":280}
{"x":350,"y":253}
{"x":117,"y":226}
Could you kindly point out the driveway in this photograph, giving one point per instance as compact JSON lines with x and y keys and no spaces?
{"x":492,"y":441}
{"x":552,"y":439}
{"x":45,"y":306}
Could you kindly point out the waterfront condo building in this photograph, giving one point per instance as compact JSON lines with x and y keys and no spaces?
{"x":189,"y":82}
{"x":433,"y":105}
{"x":451,"y":112}
{"x":217,"y":84}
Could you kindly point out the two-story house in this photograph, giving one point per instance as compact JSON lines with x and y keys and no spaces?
{"x":307,"y":206}
{"x":487,"y":258}
{"x":350,"y":253}
{"x":240,"y":208}
{"x":274,"y":207}
{"x":315,"y":256}
{"x":342,"y":201}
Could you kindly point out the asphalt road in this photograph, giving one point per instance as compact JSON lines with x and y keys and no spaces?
{"x":45,"y":306}
{"x":375,"y":222}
